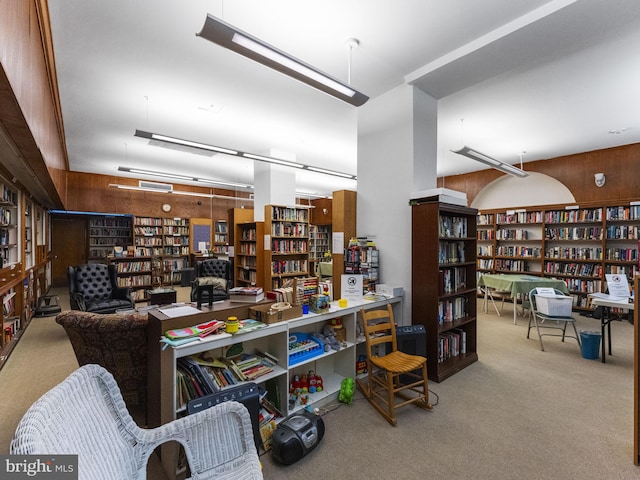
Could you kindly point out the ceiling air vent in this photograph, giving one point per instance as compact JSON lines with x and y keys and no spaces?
{"x":160,"y":187}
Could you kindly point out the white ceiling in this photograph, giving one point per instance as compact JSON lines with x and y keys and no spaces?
{"x":546,"y":77}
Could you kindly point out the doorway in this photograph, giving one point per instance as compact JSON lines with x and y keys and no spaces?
{"x":68,"y":246}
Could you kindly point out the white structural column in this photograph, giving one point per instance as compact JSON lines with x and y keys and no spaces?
{"x":397,"y":147}
{"x":273,"y":184}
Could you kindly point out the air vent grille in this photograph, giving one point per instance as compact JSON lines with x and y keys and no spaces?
{"x":161,"y":187}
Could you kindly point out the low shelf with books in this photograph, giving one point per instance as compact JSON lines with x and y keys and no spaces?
{"x":135,"y":273}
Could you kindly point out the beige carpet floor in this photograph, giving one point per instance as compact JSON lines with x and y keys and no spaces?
{"x":518,"y":413}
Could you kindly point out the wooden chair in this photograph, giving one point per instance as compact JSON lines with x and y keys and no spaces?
{"x":390,"y":372}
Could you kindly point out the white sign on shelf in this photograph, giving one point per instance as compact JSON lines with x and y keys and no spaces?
{"x":618,"y":285}
{"x":351,"y":287}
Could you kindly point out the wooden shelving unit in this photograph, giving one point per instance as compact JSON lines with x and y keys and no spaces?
{"x":220,"y":237}
{"x":135,"y":273}
{"x":576,"y":243}
{"x":287,"y":256}
{"x":444,"y":284}
{"x":175,"y":241}
{"x":106,"y":232}
{"x":249,"y":254}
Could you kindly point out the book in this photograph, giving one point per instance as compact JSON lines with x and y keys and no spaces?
{"x":246,"y":298}
{"x":253,"y":291}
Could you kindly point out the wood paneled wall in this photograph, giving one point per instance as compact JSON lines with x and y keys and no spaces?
{"x":621,"y":166}
{"x":88,"y":192}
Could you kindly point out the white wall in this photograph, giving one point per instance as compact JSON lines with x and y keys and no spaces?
{"x":509,"y":191}
{"x":396,"y":149}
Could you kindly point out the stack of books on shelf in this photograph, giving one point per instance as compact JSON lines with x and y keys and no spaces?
{"x":246,"y":294}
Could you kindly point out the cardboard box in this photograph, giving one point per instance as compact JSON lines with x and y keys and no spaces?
{"x":265,"y":314}
{"x":554,"y":305}
{"x":319,"y":303}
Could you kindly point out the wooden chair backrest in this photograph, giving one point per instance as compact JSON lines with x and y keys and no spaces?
{"x":379,"y":328}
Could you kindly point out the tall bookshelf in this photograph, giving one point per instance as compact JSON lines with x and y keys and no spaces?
{"x":249,"y":258}
{"x":9,"y":222}
{"x":147,"y":235}
{"x":443,"y":284}
{"x":175,"y":256}
{"x":319,"y":242}
{"x":220,"y":237}
{"x":106,"y":232}
{"x":287,"y":255}
{"x":576,"y":243}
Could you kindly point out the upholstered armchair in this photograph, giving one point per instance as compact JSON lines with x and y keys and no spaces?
{"x":115,"y":341}
{"x":212,"y":281}
{"x":94,"y":288}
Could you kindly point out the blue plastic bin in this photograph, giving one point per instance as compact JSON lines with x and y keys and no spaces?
{"x":590,"y":344}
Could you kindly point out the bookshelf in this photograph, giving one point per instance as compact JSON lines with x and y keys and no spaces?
{"x":29,"y":234}
{"x":287,"y":252}
{"x":220,"y":237}
{"x":361,"y":257}
{"x":576,"y":243}
{"x":175,"y":241}
{"x":319,"y":242}
{"x":249,"y":258}
{"x":9,"y":221}
{"x":106,"y":232}
{"x":135,"y":273}
{"x":443,"y":254}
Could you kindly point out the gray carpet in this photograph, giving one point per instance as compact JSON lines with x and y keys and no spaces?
{"x":517,"y":413}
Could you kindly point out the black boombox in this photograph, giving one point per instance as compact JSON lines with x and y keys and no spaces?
{"x":296,"y":436}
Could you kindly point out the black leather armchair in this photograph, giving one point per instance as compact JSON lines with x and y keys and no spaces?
{"x":94,"y":288}
{"x":213,"y":277}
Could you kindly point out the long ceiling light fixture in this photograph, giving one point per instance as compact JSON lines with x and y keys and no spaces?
{"x":230,"y":37}
{"x":177,"y":176}
{"x":228,"y":151}
{"x":492,"y":162}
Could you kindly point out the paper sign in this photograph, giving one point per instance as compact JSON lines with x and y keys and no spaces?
{"x":618,"y":285}
{"x":351,"y":287}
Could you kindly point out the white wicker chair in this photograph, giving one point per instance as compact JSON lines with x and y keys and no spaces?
{"x":86,"y":415}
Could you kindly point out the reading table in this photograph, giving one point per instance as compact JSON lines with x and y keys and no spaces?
{"x":518,"y":284}
{"x":607,"y":302}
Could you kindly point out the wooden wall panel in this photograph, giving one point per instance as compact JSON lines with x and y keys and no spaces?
{"x":619,"y":164}
{"x":88,"y":192}
{"x":321,"y":214}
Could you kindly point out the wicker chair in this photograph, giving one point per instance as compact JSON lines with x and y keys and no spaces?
{"x":85,"y":415}
{"x":115,"y":341}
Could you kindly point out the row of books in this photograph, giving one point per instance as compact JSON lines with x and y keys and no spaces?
{"x":132,"y":267}
{"x":453,"y":309}
{"x":453,"y":227}
{"x":519,"y":251}
{"x":197,"y":376}
{"x":279,"y":245}
{"x":290,"y":229}
{"x":574,"y":253}
{"x":519,"y":217}
{"x":573,"y":233}
{"x":289,"y":266}
{"x":626,"y":232}
{"x":453,"y":279}
{"x":452,"y":344}
{"x":512,"y":234}
{"x":568,"y":216}
{"x":451,"y":252}
{"x":579,"y":269}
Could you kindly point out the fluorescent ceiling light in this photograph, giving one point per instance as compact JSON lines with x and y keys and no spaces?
{"x":236,"y":153}
{"x":329,"y":172}
{"x":179,"y":192}
{"x":176,"y":176}
{"x":234,"y":39}
{"x":492,"y":162}
{"x":278,"y":161}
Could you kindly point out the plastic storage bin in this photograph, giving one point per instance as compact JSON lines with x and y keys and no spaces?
{"x":554,"y":305}
{"x":590,"y":344}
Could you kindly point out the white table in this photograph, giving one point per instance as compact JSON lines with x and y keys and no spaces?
{"x":608,"y":302}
